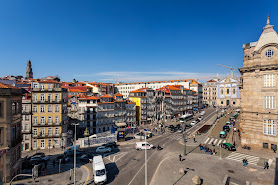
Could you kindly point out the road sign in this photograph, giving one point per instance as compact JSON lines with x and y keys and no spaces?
{"x":35,"y":171}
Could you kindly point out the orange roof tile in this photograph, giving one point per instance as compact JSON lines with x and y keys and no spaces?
{"x":49,"y":81}
{"x":92,"y":98}
{"x":106,"y":96}
{"x":118,"y":94}
{"x":75,"y":90}
{"x":6,"y":86}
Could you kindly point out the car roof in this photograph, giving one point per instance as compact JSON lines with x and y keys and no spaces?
{"x":222,"y":132}
{"x":228,"y":144}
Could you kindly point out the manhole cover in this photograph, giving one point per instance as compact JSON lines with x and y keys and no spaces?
{"x":231,"y":171}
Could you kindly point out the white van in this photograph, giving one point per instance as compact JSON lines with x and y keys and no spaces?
{"x":143,"y":146}
{"x":203,"y":113}
{"x":99,"y":170}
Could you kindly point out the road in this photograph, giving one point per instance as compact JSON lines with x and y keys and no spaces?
{"x":126,"y":166}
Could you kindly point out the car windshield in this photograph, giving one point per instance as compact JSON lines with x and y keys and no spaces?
{"x":100,"y":172}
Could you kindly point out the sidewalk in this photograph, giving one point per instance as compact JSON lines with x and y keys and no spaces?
{"x":211,"y":169}
{"x":59,"y":179}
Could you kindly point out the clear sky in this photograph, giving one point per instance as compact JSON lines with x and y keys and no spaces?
{"x":131,"y":40}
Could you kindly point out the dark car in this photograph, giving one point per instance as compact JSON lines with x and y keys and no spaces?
{"x":110,"y":144}
{"x":226,"y":128}
{"x":173,"y":130}
{"x":70,"y":153}
{"x":39,"y":155}
{"x":228,"y":146}
{"x":86,"y":158}
{"x":178,"y":126}
{"x":37,"y":160}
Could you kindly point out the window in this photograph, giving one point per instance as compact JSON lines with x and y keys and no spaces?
{"x":228,"y":91}
{"x":273,"y":146}
{"x":234,"y":102}
{"x":49,"y":97}
{"x":221,"y":102}
{"x":42,"y":120}
{"x":49,"y":119}
{"x":49,"y":108}
{"x":56,"y":97}
{"x":222,"y":91}
{"x":35,"y":97}
{"x":27,"y":118}
{"x":49,"y":131}
{"x":42,"y":132}
{"x":35,"y":108}
{"x":26,"y":127}
{"x":42,"y":108}
{"x":42,"y":86}
{"x":42,"y":97}
{"x":35,"y":144}
{"x":270,"y":102}
{"x":270,"y":80}
{"x":1,"y":136}
{"x":234,"y":91}
{"x":35,"y":120}
{"x":35,"y":132}
{"x":56,"y":131}
{"x":269,"y":127}
{"x":42,"y":143}
{"x":57,"y":119}
{"x":1,"y":109}
{"x":13,"y":108}
{"x":269,"y":53}
{"x":49,"y":143}
{"x":35,"y":85}
{"x":57,"y":108}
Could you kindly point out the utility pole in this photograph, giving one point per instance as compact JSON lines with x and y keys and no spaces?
{"x":184,"y":140}
{"x":74,"y":161}
{"x":146,"y":168}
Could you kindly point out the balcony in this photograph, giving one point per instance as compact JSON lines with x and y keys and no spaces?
{"x":26,"y":131}
{"x":26,"y":111}
{"x":47,"y":101}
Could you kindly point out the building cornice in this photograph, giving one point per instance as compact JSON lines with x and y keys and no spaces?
{"x":258,"y":67}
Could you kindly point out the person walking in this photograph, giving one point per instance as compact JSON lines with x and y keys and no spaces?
{"x":274,"y":149}
{"x":194,"y":138}
{"x":180,"y":157}
{"x":266,"y":166}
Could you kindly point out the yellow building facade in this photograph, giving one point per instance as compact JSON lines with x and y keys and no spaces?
{"x":49,"y":115}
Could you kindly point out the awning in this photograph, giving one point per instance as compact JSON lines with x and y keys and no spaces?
{"x":120,"y":124}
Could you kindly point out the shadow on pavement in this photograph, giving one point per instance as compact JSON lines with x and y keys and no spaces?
{"x":276,"y":172}
{"x":112,"y":172}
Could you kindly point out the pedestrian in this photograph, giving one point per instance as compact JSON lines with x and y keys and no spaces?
{"x":180,"y":157}
{"x":200,"y":146}
{"x":235,"y":129}
{"x":194,"y":139}
{"x":54,"y":162}
{"x":266,"y":166}
{"x":212,"y":144}
{"x":214,"y":152}
{"x":274,"y":149}
{"x":210,"y":152}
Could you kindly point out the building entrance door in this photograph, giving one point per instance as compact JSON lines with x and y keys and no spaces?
{"x":228,"y":102}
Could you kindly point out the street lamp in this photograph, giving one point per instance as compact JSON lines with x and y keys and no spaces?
{"x":184,"y":140}
{"x":146,"y":172}
{"x":74,"y":161}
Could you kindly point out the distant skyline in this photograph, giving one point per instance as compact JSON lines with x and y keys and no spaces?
{"x":138,"y":40}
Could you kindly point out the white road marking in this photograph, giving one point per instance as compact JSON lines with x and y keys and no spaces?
{"x":121,"y":156}
{"x":239,"y":157}
{"x":224,"y":141}
{"x":206,"y":140}
{"x":219,"y":142}
{"x":215,"y":141}
{"x":211,"y":141}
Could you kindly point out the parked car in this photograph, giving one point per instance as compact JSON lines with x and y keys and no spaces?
{"x":197,"y":120}
{"x":110,"y":144}
{"x":37,"y":160}
{"x":193,"y":123}
{"x":180,"y":130}
{"x":178,"y":126}
{"x":188,"y":125}
{"x":86,"y":158}
{"x":70,"y":153}
{"x":223,"y":134}
{"x":200,"y":118}
{"x":226,"y":128}
{"x":41,"y":154}
{"x":228,"y":146}
{"x":103,"y":149}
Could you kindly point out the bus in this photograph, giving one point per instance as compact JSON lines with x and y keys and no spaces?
{"x":186,"y":117}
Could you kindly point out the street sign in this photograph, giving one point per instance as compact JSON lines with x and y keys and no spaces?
{"x":35,"y":171}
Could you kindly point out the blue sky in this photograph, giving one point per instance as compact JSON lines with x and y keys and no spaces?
{"x":131,"y":40}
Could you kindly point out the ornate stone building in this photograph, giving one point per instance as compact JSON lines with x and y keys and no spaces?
{"x":210,"y":92}
{"x":259,"y":91}
{"x":228,"y":92}
{"x":29,"y":71}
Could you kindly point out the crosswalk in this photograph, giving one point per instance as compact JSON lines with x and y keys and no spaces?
{"x":239,"y":157}
{"x":217,"y":142}
{"x":175,"y":137}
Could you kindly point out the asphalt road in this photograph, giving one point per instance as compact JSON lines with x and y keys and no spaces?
{"x":126,"y":165}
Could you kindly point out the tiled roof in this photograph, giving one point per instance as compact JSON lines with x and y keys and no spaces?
{"x":92,"y":98}
{"x":118,"y":94}
{"x":212,"y":80}
{"x":76,"y":90}
{"x":6,"y":86}
{"x":153,"y":82}
{"x":49,"y":81}
{"x":106,"y":96}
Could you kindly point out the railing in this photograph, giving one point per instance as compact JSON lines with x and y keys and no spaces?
{"x":26,"y":111}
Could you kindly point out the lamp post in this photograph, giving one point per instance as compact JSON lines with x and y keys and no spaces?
{"x":74,"y":161}
{"x":146,"y":169}
{"x":184,"y":140}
